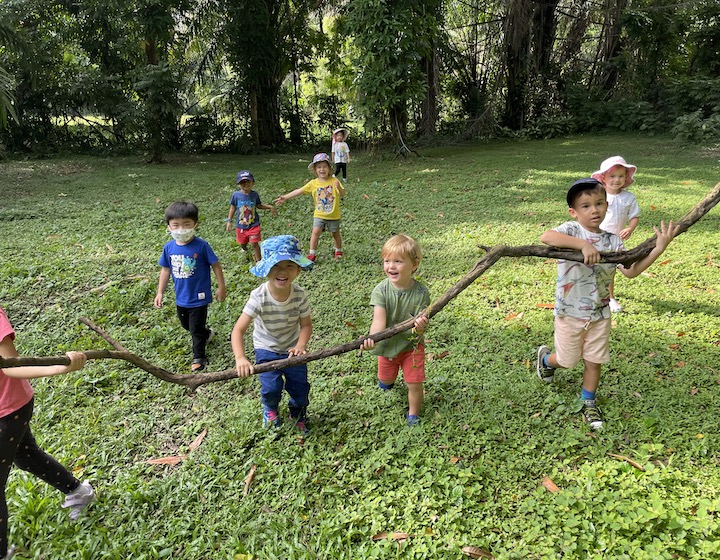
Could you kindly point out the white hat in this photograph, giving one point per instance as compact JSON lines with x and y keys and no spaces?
{"x":611,"y":162}
{"x":345,"y":133}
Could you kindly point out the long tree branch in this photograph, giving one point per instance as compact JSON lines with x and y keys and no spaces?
{"x":493,"y":255}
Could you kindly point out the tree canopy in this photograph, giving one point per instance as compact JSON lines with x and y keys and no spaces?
{"x":240,"y":76}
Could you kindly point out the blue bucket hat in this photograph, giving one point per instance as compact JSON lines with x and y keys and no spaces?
{"x":279,"y":248}
{"x":244,"y":176}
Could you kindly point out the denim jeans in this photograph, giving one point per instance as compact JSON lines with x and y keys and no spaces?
{"x":294,"y":379}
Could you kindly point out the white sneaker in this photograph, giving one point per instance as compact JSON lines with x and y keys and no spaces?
{"x":10,"y":553}
{"x":78,"y":499}
{"x":615,"y":307}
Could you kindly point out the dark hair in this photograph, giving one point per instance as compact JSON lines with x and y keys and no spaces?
{"x":181,"y":210}
{"x":581,"y":186}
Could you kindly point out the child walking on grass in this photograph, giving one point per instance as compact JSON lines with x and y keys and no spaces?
{"x":623,"y":212}
{"x":582,"y":316}
{"x":326,"y":192}
{"x":396,"y":299}
{"x":340,"y":151}
{"x":244,"y":203}
{"x":17,"y":444}
{"x":189,"y":259}
{"x":282,"y":329}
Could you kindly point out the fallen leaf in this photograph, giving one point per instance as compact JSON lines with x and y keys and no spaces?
{"x":359,"y":392}
{"x":197,"y":441}
{"x":366,"y":197}
{"x":514,"y":315}
{"x":674,"y":346}
{"x":475,"y":552}
{"x":680,"y":364}
{"x":380,"y":536}
{"x":174,"y":460}
{"x":409,"y":215}
{"x":454,"y":460}
{"x":638,"y":395}
{"x":548,"y":483}
{"x":694,"y":391}
{"x":391,"y":536}
{"x":249,"y":479}
{"x":349,"y":324}
{"x":653,"y":207}
{"x":681,"y":333}
{"x":545,"y":305}
{"x":664,"y":262}
{"x":635,"y":464}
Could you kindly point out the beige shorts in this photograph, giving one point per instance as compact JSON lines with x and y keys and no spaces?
{"x":576,"y":339}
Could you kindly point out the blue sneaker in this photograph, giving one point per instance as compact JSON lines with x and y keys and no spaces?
{"x":412,"y":420}
{"x":271,"y":419}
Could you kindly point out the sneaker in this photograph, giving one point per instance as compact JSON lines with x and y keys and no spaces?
{"x":302,"y":426}
{"x":312,"y":257}
{"x":338,"y":254}
{"x":591,"y":414}
{"x":78,"y":499}
{"x":412,"y":420}
{"x":271,"y":419}
{"x":544,"y":373}
{"x":211,"y":335}
{"x":615,"y":307}
{"x":385,"y":387}
{"x":10,"y":553}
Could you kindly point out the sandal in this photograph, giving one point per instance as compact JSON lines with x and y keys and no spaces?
{"x":198,"y":364}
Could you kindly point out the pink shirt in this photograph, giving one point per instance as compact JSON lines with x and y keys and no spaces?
{"x":14,"y":393}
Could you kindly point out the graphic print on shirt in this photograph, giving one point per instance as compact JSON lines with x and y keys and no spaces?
{"x":183,"y":266}
{"x":325,"y":199}
{"x":247,"y":215}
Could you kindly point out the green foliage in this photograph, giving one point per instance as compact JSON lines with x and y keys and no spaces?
{"x":695,"y":129}
{"x":471,"y":474}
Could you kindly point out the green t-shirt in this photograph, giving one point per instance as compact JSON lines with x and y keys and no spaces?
{"x":399,"y":306}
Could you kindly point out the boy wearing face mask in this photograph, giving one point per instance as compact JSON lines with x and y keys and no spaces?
{"x":188,"y":259}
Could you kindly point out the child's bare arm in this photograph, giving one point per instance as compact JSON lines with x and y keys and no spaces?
{"x":7,"y":350}
{"x":280,"y":200}
{"x":237,"y":340}
{"x":665,"y":235}
{"x":340,"y":188}
{"x":627,"y":232}
{"x":229,"y":223}
{"x":162,"y":284}
{"x":270,"y":207}
{"x":378,"y":324}
{"x":220,"y":277}
{"x":304,"y":338}
{"x":563,"y":241}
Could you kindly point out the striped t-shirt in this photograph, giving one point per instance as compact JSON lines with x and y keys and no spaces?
{"x":276,"y":323}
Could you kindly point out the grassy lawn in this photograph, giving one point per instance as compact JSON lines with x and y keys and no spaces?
{"x":82,"y":236}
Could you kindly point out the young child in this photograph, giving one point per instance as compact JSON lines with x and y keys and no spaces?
{"x":282,"y":329}
{"x":326,"y":192}
{"x":623,"y":212}
{"x":394,"y":300}
{"x":17,"y":444}
{"x":188,"y":259}
{"x":246,"y":202}
{"x":340,"y":151}
{"x":582,"y":317}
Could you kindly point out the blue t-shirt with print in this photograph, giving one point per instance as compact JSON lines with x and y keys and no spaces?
{"x":246,"y":215}
{"x":190,"y":270}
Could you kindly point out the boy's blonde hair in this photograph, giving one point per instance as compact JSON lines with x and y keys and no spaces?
{"x":402,"y":245}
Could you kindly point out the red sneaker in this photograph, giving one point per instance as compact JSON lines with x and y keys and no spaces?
{"x":338,"y":255}
{"x":311,"y":257}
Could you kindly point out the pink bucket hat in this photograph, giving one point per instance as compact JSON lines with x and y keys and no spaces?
{"x":611,"y":162}
{"x":317,"y":159}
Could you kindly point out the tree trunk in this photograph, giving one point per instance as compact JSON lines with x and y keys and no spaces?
{"x":517,"y":57}
{"x":429,"y":107}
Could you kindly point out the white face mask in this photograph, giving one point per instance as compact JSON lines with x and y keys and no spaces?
{"x":182,"y":235}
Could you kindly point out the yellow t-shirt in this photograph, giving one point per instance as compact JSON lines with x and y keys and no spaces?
{"x":326,"y":196}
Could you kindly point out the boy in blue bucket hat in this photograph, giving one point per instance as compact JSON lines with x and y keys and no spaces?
{"x":282,"y":329}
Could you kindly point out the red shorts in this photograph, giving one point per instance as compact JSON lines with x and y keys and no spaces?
{"x":412,"y":363}
{"x":251,"y":235}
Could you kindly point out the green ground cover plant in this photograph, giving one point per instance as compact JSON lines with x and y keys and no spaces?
{"x":82,"y":236}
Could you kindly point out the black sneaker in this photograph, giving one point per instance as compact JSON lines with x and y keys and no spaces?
{"x":544,"y":373}
{"x":591,"y":414}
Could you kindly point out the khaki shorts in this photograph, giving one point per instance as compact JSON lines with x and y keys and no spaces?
{"x":576,"y":339}
{"x":329,"y":225}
